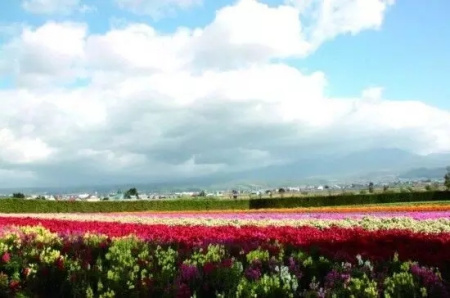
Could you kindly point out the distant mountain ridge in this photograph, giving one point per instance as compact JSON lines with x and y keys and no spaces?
{"x":390,"y":161}
{"x":428,"y":173}
{"x":365,"y":165}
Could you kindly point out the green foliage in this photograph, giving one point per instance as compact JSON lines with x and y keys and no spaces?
{"x":268,"y":286}
{"x":43,"y":206}
{"x":356,"y":199}
{"x":37,"y":263}
{"x":447,"y":179}
{"x":18,"y":195}
{"x":131,"y":192}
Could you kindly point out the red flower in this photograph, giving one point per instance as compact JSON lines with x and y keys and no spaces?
{"x":60,"y":263}
{"x":183,"y":291}
{"x":6,"y":257}
{"x":208,"y":268}
{"x":14,"y":285}
{"x":227,"y":263}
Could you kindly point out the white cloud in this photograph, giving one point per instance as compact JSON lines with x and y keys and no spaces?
{"x":156,"y":8}
{"x":22,"y":149}
{"x":162,"y":106}
{"x":137,"y":47}
{"x":328,"y":18}
{"x":55,"y":6}
{"x":52,"y":52}
{"x":249,"y":32}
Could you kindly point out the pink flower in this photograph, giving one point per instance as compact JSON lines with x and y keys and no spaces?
{"x":26,"y":271}
{"x":14,"y":285}
{"x":6,"y":257}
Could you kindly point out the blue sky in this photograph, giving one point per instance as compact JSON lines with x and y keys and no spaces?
{"x":408,"y":56}
{"x":170,"y":89}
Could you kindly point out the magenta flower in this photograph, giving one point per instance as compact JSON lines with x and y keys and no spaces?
{"x":252,"y":273}
{"x":188,"y":272}
{"x":6,"y":257}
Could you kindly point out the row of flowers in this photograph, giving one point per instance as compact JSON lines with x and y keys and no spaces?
{"x":234,"y":262}
{"x":421,"y":207}
{"x":291,"y":215}
{"x":336,"y":242}
{"x":435,"y":223}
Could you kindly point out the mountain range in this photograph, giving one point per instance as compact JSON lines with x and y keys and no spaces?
{"x":369,"y":165}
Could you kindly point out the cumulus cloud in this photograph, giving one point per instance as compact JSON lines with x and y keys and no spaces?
{"x":55,"y":6}
{"x":250,"y":32}
{"x":156,"y":8}
{"x":329,"y":18}
{"x":50,"y":53}
{"x":194,"y":102}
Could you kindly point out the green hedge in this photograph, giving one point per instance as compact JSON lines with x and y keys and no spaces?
{"x":35,"y":206}
{"x":340,"y":200}
{"x":38,"y":206}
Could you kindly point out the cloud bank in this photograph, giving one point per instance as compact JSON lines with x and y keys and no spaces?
{"x":135,"y":104}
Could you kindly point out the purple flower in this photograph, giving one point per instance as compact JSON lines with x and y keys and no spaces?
{"x":252,"y":273}
{"x":294,"y":268}
{"x":430,"y":280}
{"x":188,"y":272}
{"x":335,"y":278}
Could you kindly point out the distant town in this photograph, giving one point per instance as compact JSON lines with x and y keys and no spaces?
{"x":402,"y":185}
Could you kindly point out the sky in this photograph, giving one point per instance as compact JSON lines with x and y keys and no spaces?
{"x":155,"y":90}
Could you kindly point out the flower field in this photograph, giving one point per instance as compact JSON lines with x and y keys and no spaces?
{"x":376,"y":251}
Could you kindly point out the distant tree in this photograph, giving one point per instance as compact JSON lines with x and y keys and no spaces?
{"x":385,"y":188}
{"x":281,"y":191}
{"x":202,"y":194}
{"x":234,"y":194}
{"x":371,"y":187}
{"x":18,"y":195}
{"x":328,"y":189}
{"x":131,"y":192}
{"x":403,"y":190}
{"x":428,"y":187}
{"x":435,"y":186}
{"x":447,"y":179}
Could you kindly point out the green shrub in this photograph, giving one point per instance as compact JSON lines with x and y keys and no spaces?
{"x":37,"y":263}
{"x":42,"y":206}
{"x":356,"y":199}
